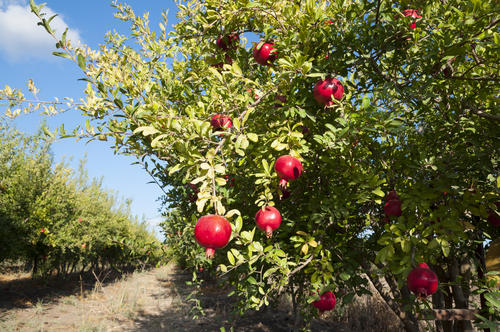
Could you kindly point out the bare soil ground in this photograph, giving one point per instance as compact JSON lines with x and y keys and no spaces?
{"x":155,"y":301}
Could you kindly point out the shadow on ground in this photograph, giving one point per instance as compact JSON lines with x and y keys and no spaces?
{"x":24,"y":292}
{"x":218,"y":309}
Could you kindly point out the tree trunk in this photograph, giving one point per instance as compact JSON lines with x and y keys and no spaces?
{"x":461,"y":302}
{"x":407,"y":318}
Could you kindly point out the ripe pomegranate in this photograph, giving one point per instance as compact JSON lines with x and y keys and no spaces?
{"x":392,"y":207}
{"x":326,"y":302}
{"x":221,"y":122}
{"x":422,"y":281}
{"x":212,"y":232}
{"x":268,"y":220}
{"x":494,"y":217}
{"x":391,"y":195}
{"x":324,"y":90}
{"x":42,"y":230}
{"x":414,"y":14}
{"x":231,"y":40}
{"x":265,"y":54}
{"x":288,"y":168}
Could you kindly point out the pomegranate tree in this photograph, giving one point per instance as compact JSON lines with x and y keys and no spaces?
{"x":326,"y":302}
{"x":288,"y":168}
{"x":324,"y":90}
{"x":265,"y":54}
{"x":212,"y":232}
{"x":422,"y":281}
{"x":268,"y":219}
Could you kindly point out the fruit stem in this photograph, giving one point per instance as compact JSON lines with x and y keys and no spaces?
{"x":269,"y":232}
{"x":209,"y":253}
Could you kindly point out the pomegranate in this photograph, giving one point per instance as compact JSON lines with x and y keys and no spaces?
{"x":324,"y":90}
{"x":326,"y":302}
{"x":392,"y":207}
{"x":265,"y":54}
{"x":288,"y":168}
{"x":422,"y":281}
{"x":212,"y":232}
{"x":221,"y":122}
{"x":231,"y":40}
{"x":494,"y":217}
{"x":268,"y":220}
{"x":391,"y":195}
{"x":414,"y":14}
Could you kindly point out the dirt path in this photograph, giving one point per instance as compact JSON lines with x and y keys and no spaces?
{"x":145,"y":301}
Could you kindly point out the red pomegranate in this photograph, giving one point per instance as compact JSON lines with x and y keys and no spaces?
{"x":392,"y":207}
{"x":268,"y":220}
{"x":326,"y":302}
{"x":288,"y":168}
{"x":212,"y":232}
{"x":494,"y":217}
{"x":391,"y":195}
{"x":231,"y":40}
{"x":265,"y":54}
{"x":221,"y":122}
{"x":324,"y":90}
{"x":414,"y":14}
{"x":422,"y":281}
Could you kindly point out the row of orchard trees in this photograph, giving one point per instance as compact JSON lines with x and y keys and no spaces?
{"x":418,"y":116}
{"x":56,"y":220}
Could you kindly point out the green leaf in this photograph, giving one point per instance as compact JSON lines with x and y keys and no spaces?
{"x":253,"y":137}
{"x":81,"y":64}
{"x":62,"y":55}
{"x":378,"y":192}
{"x":345,"y":276}
{"x":230,"y":258}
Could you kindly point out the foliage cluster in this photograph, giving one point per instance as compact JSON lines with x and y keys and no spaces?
{"x":55,"y":219}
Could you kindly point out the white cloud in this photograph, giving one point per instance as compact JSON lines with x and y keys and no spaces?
{"x":20,"y":36}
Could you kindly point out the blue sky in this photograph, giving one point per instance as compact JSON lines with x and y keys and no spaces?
{"x":26,"y":53}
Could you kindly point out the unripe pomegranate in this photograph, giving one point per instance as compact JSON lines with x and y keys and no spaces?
{"x":326,"y":302}
{"x":221,"y":122}
{"x":288,"y":168}
{"x":414,"y":14}
{"x":231,"y":40}
{"x":212,"y":232}
{"x":265,"y":54}
{"x":494,"y":217}
{"x":422,"y":281}
{"x":268,"y":220}
{"x":324,"y":90}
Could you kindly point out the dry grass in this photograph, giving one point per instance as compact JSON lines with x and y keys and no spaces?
{"x":155,"y":301}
